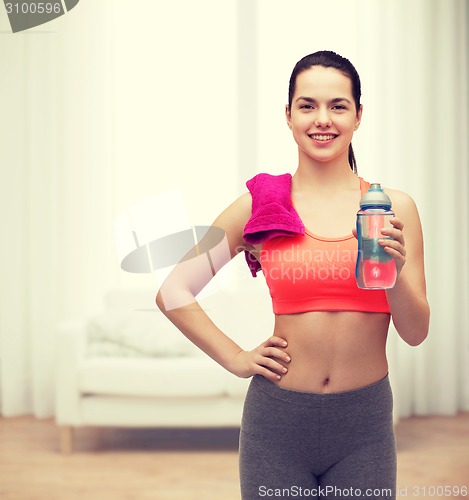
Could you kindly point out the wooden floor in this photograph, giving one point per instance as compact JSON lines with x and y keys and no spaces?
{"x":140,"y":464}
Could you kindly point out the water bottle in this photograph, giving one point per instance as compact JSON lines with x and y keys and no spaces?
{"x":375,"y":268}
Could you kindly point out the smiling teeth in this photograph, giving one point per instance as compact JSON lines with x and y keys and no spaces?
{"x":323,"y":137}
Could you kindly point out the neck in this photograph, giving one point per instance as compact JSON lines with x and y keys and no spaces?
{"x":332,"y":175}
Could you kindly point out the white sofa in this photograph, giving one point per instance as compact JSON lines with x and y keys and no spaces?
{"x":158,"y":379}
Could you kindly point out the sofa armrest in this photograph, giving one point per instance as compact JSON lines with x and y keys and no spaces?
{"x":70,"y":354}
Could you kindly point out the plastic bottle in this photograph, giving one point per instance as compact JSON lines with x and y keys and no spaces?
{"x":375,"y":268}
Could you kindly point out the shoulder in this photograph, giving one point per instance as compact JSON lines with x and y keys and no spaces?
{"x":233,"y":219}
{"x":265,"y":182}
{"x":263,"y":189}
{"x":240,"y":209}
{"x":400,"y":198}
{"x":403,"y":205}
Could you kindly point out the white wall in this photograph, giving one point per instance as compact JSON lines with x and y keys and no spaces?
{"x":119,"y":100}
{"x":287,"y":31}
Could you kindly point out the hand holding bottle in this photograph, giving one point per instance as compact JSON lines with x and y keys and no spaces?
{"x":381,"y":252}
{"x":393,"y":242}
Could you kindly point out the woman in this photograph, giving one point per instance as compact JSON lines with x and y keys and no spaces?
{"x":317,"y":419}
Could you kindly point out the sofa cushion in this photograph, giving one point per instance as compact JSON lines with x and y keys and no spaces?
{"x":136,"y":334}
{"x":236,"y":387}
{"x":172,"y":378}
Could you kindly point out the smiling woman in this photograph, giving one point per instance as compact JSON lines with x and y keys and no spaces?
{"x":413,"y":135}
{"x":318,"y":412}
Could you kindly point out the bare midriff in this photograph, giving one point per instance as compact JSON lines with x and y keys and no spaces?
{"x":333,"y":351}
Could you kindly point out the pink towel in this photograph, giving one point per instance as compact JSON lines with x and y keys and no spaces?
{"x":272,"y":212}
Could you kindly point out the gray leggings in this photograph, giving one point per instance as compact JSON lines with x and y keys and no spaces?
{"x":312,"y":445}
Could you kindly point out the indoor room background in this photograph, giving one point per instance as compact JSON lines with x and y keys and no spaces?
{"x":118,"y":101}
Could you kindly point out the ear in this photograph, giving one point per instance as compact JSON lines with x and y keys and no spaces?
{"x":288,"y":116}
{"x":358,"y":119}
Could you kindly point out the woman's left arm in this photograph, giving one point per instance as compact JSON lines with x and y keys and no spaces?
{"x":408,"y":299}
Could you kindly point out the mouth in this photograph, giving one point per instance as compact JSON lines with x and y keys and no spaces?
{"x":323,"y":137}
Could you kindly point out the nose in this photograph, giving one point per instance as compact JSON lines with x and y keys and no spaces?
{"x":323,"y":118}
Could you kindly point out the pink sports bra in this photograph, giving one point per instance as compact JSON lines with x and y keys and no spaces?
{"x":311,"y":273}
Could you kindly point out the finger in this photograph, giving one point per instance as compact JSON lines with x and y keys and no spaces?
{"x":393,"y":244}
{"x":273,"y":377}
{"x":272,"y":365}
{"x":395,"y":252}
{"x":399,"y":259}
{"x":397,"y":223}
{"x":275,"y":341}
{"x":354,"y":232}
{"x":273,"y":352}
{"x":393,"y":233}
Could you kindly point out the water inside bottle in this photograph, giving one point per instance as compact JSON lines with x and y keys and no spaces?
{"x":379,"y":274}
{"x":378,"y":268}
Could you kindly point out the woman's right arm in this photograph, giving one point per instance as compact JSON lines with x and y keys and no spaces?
{"x":176,"y":298}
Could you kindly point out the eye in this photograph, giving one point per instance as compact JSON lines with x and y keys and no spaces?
{"x":340,"y":107}
{"x":306,"y":106}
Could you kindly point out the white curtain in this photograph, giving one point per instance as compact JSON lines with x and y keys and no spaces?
{"x":110,"y":104}
{"x":102,"y":107}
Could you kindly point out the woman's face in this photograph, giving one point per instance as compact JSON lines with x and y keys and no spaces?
{"x":323,"y":116}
